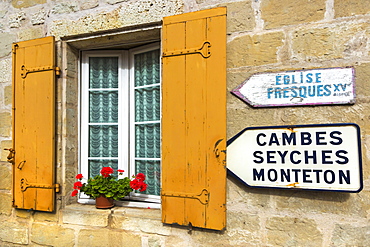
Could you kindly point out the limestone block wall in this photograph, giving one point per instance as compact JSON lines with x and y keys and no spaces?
{"x":263,"y":36}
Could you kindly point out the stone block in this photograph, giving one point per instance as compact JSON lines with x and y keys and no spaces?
{"x":240,"y":197}
{"x":143,"y":11}
{"x":86,"y":24}
{"x":240,"y":16}
{"x":254,"y":50}
{"x":315,"y":43}
{"x":14,"y":232}
{"x":241,"y":220}
{"x":27,"y":3}
{"x":177,"y":241}
{"x":286,"y":231}
{"x":4,"y":153}
{"x":16,"y":20}
{"x":31,"y":33}
{"x":46,"y":217}
{"x":279,"y":13}
{"x":5,"y":124}
{"x":5,"y":176}
{"x":331,"y":42}
{"x":88,"y":4}
{"x":23,"y":213}
{"x":3,"y":10}
{"x":242,"y":229}
{"x":344,"y":8}
{"x":38,"y":17}
{"x":86,"y":215}
{"x":8,"y":95}
{"x":5,"y":70}
{"x":65,"y":8}
{"x":347,"y":235}
{"x":345,"y":204}
{"x":142,"y":213}
{"x":362,"y":72}
{"x":5,"y":203}
{"x":6,"y":41}
{"x":135,"y":219}
{"x":52,"y":235}
{"x":107,"y":237}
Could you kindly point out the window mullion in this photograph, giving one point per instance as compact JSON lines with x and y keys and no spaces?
{"x":124,"y":113}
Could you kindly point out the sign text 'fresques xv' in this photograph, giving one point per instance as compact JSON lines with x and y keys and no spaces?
{"x":305,"y":87}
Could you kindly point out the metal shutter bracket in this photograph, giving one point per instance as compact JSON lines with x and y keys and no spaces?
{"x":204,"y":50}
{"x":25,"y":185}
{"x":25,"y":71}
{"x":203,"y":197}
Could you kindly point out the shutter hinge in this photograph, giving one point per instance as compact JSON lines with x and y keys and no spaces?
{"x":14,"y":48}
{"x":204,"y":50}
{"x":203,"y":197}
{"x":25,"y":71}
{"x":25,"y":185}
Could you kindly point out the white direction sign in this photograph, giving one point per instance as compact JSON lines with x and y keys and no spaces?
{"x":305,"y":87}
{"x":315,"y":157}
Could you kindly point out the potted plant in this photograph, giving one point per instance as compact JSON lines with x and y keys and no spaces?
{"x":106,"y":186}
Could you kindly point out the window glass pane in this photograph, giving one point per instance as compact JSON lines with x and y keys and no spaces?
{"x":147,"y":104}
{"x":96,"y":165}
{"x":103,"y":141}
{"x":152,"y":170}
{"x":147,"y":68}
{"x":147,"y":142}
{"x":103,"y":106}
{"x":103,"y":72}
{"x":147,"y":118}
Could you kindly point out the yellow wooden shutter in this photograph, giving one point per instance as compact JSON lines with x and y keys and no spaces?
{"x":194,"y":119}
{"x":34,"y":124}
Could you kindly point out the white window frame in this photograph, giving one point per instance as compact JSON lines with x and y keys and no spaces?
{"x":126,"y":159}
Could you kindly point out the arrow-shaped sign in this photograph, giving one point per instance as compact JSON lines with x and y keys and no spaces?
{"x":305,"y":87}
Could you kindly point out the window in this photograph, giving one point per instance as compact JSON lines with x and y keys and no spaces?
{"x":121,"y":114}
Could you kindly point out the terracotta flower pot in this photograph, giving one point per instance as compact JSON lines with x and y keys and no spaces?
{"x":104,"y":203}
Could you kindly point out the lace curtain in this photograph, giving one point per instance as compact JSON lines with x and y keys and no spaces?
{"x":147,"y":118}
{"x":103,"y":113}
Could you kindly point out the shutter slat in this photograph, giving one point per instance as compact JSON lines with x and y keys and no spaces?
{"x":174,"y":129}
{"x":194,"y":120}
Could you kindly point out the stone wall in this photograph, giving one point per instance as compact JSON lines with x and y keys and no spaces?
{"x":263,"y":36}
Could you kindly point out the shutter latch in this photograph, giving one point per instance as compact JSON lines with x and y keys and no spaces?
{"x":203,"y":197}
{"x":25,"y":71}
{"x":25,"y":185}
{"x":204,"y":50}
{"x":10,"y":157}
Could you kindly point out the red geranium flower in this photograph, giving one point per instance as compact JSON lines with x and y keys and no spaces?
{"x":77,"y":185}
{"x":74,"y":193}
{"x":120,"y":171}
{"x":143,"y":187}
{"x":79,"y":176}
{"x":106,"y":171}
{"x":140,"y":177}
{"x":135,"y":184}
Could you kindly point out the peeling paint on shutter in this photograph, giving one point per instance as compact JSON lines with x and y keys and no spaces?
{"x":34,"y":124}
{"x":194,"y":119}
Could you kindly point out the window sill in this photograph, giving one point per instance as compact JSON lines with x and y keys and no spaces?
{"x":88,"y":215}
{"x":130,"y":204}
